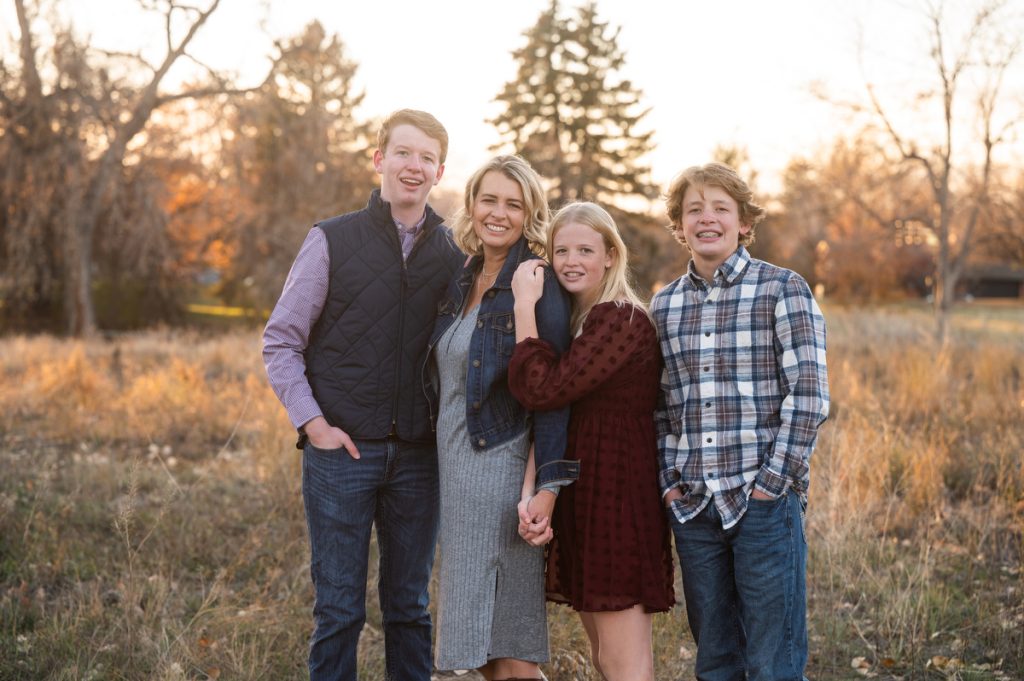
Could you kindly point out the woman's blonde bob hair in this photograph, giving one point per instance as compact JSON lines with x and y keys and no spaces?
{"x":615,"y":284}
{"x":535,"y":204}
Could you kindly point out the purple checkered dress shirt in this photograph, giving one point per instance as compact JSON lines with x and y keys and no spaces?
{"x":287,"y":332}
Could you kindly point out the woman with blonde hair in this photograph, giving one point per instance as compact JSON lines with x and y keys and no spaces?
{"x":491,"y":613}
{"x":610,"y":557}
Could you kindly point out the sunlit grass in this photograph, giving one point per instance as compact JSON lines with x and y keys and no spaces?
{"x":151,"y":522}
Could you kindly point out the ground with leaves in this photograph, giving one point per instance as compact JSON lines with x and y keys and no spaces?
{"x":151,"y":523}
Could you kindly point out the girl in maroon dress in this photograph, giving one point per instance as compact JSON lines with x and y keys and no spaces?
{"x":610,"y":557}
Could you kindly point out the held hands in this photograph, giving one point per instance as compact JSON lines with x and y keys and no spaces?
{"x":528,"y":281}
{"x":323,"y":435}
{"x":535,"y":518}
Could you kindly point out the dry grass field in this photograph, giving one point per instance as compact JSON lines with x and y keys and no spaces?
{"x":151,"y":521}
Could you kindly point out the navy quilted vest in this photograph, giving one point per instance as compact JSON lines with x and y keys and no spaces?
{"x":367,"y":350}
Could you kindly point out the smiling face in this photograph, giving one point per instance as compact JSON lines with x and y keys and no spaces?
{"x":711,"y":226}
{"x":498,"y":213}
{"x":409,"y":168}
{"x":580,"y":259}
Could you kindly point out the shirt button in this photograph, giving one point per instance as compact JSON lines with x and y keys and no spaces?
{"x":509,"y":324}
{"x":490,"y":294}
{"x":707,"y":368}
{"x":707,"y":333}
{"x":709,"y":301}
{"x":481,"y":442}
{"x":709,"y":440}
{"x":476,"y":362}
{"x":476,"y":405}
{"x":707,"y":405}
{"x":479,"y":324}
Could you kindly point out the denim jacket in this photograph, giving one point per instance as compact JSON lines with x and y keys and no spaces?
{"x":493,"y":415}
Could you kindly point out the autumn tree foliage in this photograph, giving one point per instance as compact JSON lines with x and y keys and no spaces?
{"x":962,"y":93}
{"x":76,"y":183}
{"x":796,"y":228}
{"x":832,"y":223}
{"x":1002,"y":234}
{"x":295,"y":153}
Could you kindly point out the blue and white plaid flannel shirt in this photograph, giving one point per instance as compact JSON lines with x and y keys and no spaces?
{"x":745,"y":386}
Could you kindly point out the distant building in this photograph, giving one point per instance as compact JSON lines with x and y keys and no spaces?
{"x":993,"y":280}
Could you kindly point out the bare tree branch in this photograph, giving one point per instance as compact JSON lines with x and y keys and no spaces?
{"x":981,"y":48}
{"x":130,"y":56}
{"x":906,"y":150}
{"x":112,"y":158}
{"x":200,"y":93}
{"x":210,"y":71}
{"x":30,"y":72}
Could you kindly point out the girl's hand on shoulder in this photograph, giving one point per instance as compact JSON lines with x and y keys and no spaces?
{"x":528,"y":281}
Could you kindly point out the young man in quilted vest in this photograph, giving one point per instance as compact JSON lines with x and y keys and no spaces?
{"x":344,"y":350}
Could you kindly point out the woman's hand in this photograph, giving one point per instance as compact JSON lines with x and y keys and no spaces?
{"x":528,"y":282}
{"x":535,"y":529}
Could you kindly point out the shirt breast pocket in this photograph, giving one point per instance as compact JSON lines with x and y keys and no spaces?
{"x":503,"y":330}
{"x":750,"y":347}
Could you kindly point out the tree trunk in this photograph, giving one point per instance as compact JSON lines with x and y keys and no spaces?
{"x":942,"y":308}
{"x":84,"y":308}
{"x":945,"y":293}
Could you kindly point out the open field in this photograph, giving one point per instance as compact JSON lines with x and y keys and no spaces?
{"x":151,"y":523}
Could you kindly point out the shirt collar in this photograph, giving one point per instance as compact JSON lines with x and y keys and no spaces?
{"x":415,"y":229}
{"x":727,"y":273}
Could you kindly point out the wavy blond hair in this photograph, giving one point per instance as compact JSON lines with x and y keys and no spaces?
{"x":713,"y":175}
{"x":535,"y":203}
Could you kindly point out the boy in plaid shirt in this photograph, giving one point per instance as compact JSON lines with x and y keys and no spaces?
{"x":744,"y":392}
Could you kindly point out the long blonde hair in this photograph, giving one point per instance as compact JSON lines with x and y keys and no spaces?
{"x":535,"y":204}
{"x":615,"y":284}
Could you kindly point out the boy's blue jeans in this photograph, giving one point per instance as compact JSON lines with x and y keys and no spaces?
{"x":393,"y":486}
{"x":745,"y":590}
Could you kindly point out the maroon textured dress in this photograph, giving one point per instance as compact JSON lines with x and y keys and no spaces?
{"x":611,"y":549}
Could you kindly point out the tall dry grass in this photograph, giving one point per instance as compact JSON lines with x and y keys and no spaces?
{"x":151,"y":522}
{"x":915,"y":523}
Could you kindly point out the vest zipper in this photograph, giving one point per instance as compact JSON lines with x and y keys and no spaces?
{"x":401,"y":325}
{"x":401,"y":338}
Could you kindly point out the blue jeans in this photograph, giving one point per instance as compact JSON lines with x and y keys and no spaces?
{"x":746,"y":597}
{"x":394,"y":486}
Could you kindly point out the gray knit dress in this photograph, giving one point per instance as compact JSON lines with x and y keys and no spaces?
{"x":491,"y":600}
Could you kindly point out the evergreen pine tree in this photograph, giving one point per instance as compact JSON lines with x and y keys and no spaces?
{"x":571,"y":114}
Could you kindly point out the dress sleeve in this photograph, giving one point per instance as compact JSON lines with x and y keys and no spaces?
{"x":540,"y":379}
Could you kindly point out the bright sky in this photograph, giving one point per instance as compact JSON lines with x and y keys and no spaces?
{"x":732,"y":72}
